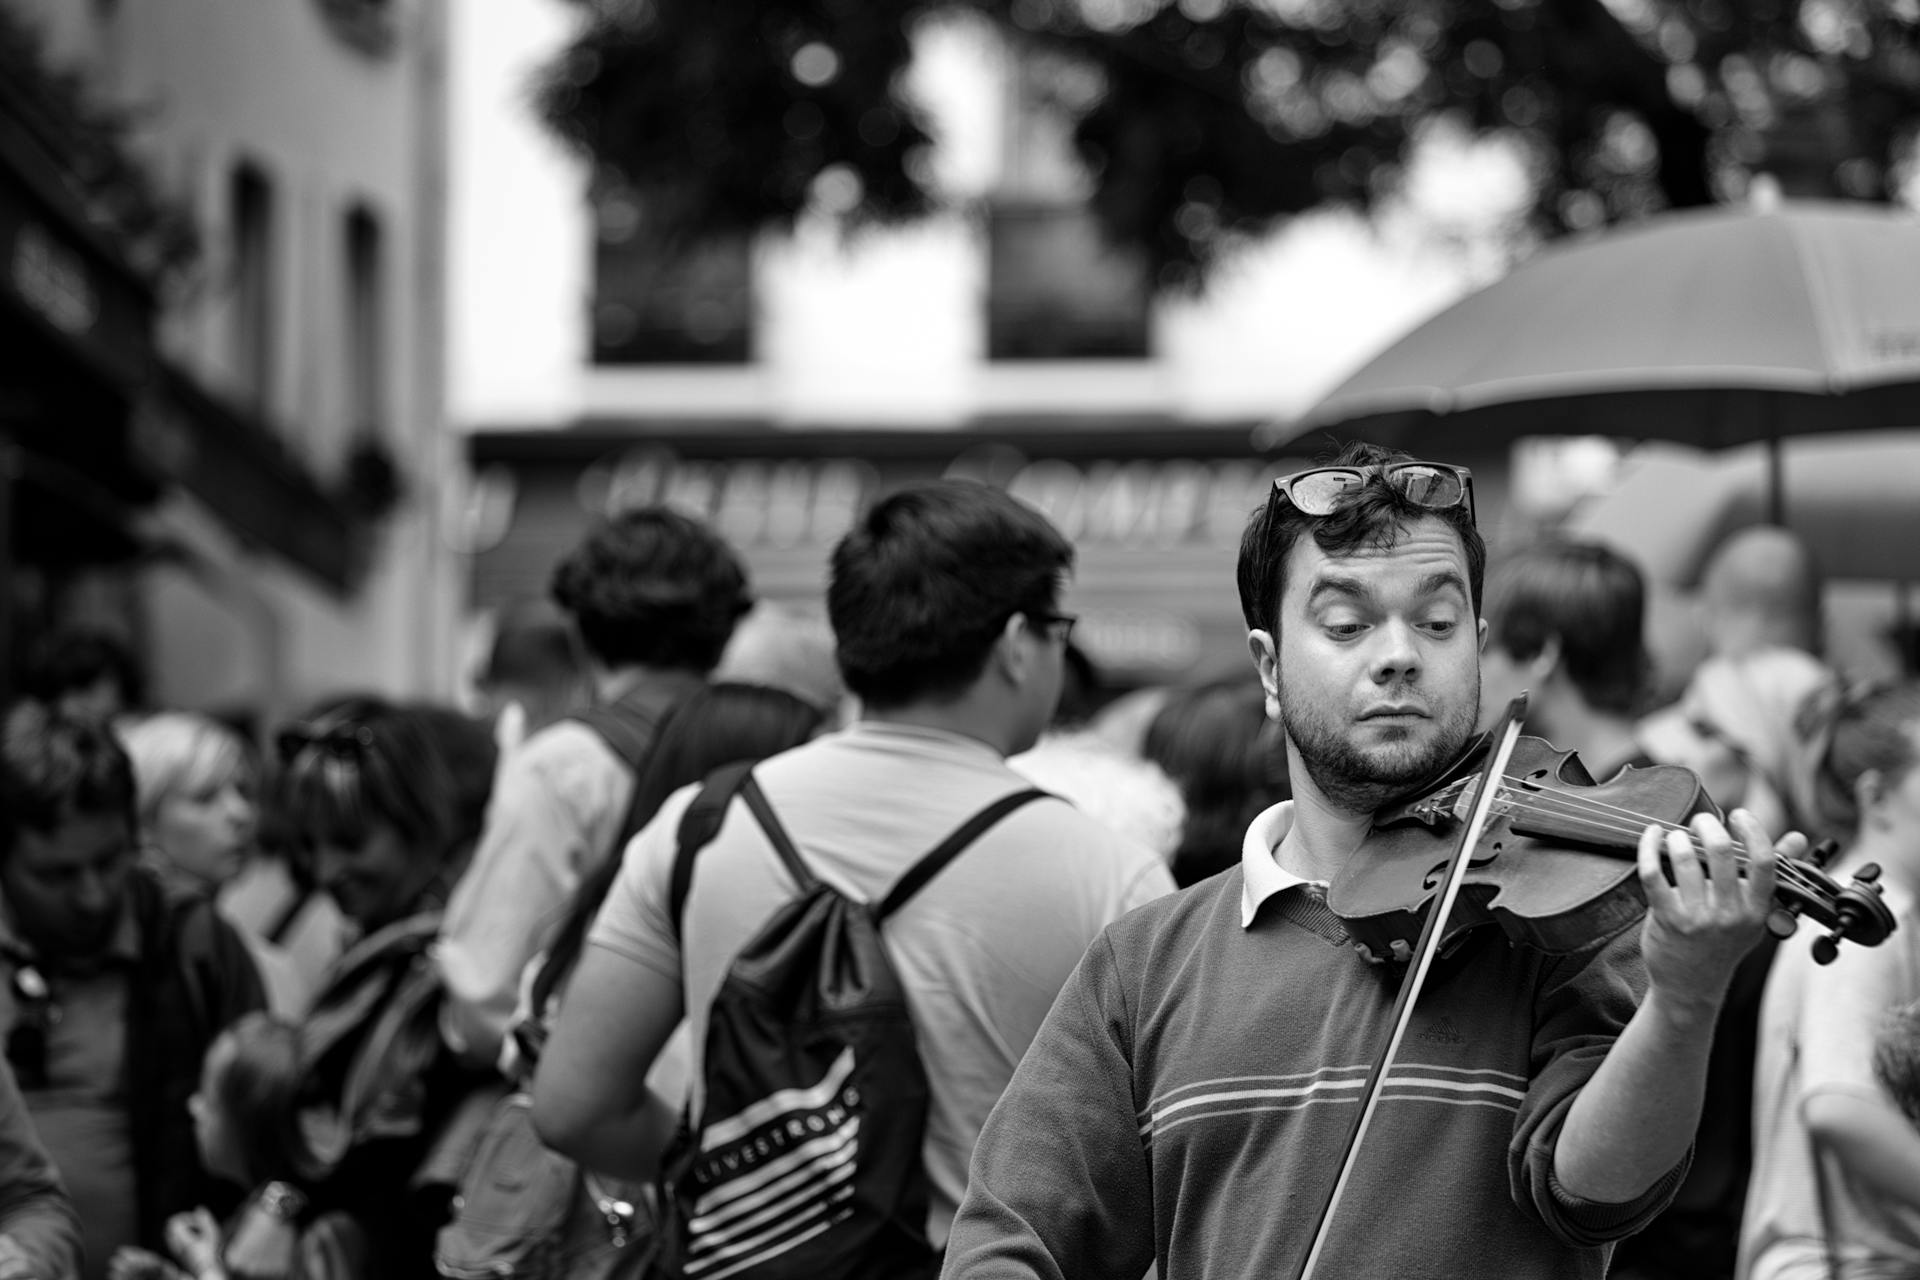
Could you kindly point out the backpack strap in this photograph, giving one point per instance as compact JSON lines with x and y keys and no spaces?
{"x":698,"y":826}
{"x":631,"y":728}
{"x":631,"y":725}
{"x":776,"y":834}
{"x":701,"y":823}
{"x":950,"y":848}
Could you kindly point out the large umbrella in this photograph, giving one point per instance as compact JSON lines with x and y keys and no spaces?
{"x":1710,"y":327}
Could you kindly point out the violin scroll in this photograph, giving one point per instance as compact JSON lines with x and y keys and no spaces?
{"x":1854,"y":912}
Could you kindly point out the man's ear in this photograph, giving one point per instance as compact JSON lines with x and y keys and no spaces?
{"x":1868,"y":791}
{"x":1484,"y":633}
{"x":1012,"y":655}
{"x":1545,"y":662}
{"x":1266,"y":660}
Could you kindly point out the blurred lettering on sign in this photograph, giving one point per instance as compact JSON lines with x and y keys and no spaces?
{"x":794,"y":502}
{"x":1140,"y":639}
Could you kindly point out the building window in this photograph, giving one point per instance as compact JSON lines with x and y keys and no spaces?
{"x":367,"y":25}
{"x":1055,"y":289}
{"x":655,"y":303}
{"x":251,"y":217}
{"x":365,"y":340}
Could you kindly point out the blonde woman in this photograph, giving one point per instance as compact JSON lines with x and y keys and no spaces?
{"x":198,"y":825}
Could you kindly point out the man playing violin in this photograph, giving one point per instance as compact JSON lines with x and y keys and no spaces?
{"x":1189,"y":1098}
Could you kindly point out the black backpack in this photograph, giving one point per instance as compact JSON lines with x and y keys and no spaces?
{"x":806,"y":1159}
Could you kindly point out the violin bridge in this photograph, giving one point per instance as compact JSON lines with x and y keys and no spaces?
{"x":1449,"y":804}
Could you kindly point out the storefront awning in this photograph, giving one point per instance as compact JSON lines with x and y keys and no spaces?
{"x":59,"y":274}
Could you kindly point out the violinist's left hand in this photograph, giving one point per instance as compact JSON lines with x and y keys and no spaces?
{"x":1706,"y":915}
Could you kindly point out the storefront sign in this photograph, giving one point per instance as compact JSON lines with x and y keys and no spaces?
{"x":1155,"y":515}
{"x":787,"y":503}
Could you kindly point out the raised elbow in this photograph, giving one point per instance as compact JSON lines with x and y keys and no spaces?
{"x":558,"y":1122}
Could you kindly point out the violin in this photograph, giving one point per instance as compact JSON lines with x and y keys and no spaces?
{"x":1518,"y":835}
{"x":1555,"y":867}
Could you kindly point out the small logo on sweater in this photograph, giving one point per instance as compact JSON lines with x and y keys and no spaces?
{"x":1443,"y":1032}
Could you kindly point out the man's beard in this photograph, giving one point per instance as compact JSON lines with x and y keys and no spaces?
{"x":1364,"y":779}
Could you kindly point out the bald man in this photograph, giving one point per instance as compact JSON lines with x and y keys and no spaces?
{"x":1761,"y":588}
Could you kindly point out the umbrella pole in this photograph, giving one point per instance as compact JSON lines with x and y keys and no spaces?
{"x":1903,"y":626}
{"x":1776,"y":473}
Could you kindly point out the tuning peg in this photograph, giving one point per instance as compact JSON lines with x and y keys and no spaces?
{"x":1781,"y":922}
{"x":1868,"y":874}
{"x":1826,"y":949}
{"x":1822,"y":853}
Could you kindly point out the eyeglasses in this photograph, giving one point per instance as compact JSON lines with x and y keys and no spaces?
{"x":1060,"y":624}
{"x":1437,"y":486}
{"x":348,"y":740}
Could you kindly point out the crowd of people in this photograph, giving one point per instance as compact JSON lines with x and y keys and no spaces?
{"x":578,"y":982}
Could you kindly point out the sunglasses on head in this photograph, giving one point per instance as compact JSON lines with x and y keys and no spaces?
{"x":1437,"y":486}
{"x":346,"y":740}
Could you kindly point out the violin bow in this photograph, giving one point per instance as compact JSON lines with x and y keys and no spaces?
{"x":1432,"y":933}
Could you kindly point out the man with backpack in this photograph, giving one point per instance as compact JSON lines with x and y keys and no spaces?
{"x":654,"y":596}
{"x":846,"y":1054}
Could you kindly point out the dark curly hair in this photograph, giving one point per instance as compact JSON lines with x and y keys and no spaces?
{"x":1591,"y":600}
{"x":653,"y":587}
{"x":922,"y":585}
{"x":1375,"y":515}
{"x":79,"y":657}
{"x":52,"y":769}
{"x":1230,"y":761}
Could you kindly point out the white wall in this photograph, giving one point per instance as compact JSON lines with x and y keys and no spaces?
{"x":518,"y":236}
{"x":211,"y":83}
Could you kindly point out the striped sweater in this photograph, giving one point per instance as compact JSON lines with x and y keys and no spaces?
{"x":1189,"y":1095}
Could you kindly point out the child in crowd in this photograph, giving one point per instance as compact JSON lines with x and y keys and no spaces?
{"x":245,"y":1120}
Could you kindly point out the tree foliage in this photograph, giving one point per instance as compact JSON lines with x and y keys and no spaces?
{"x":1213,"y":118}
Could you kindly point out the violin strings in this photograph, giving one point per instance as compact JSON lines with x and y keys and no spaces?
{"x":1631,"y":823}
{"x":1626,"y":822}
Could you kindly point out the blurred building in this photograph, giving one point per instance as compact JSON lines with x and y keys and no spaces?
{"x":777,"y":385}
{"x":229,"y":444}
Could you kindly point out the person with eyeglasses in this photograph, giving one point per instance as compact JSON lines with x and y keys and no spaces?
{"x":114,"y":985}
{"x":945,"y":603}
{"x":1188,"y":1102}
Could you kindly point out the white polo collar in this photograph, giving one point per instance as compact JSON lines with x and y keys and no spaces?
{"x":1261,"y":874}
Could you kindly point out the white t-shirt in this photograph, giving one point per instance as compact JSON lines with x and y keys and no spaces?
{"x":982,"y":949}
{"x":1817,"y":1028}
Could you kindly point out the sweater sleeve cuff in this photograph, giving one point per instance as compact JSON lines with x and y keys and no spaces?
{"x":1592,"y":1222}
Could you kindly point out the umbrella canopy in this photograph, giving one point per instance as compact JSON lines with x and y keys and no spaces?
{"x":1855,"y":503}
{"x":1709,"y":327}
